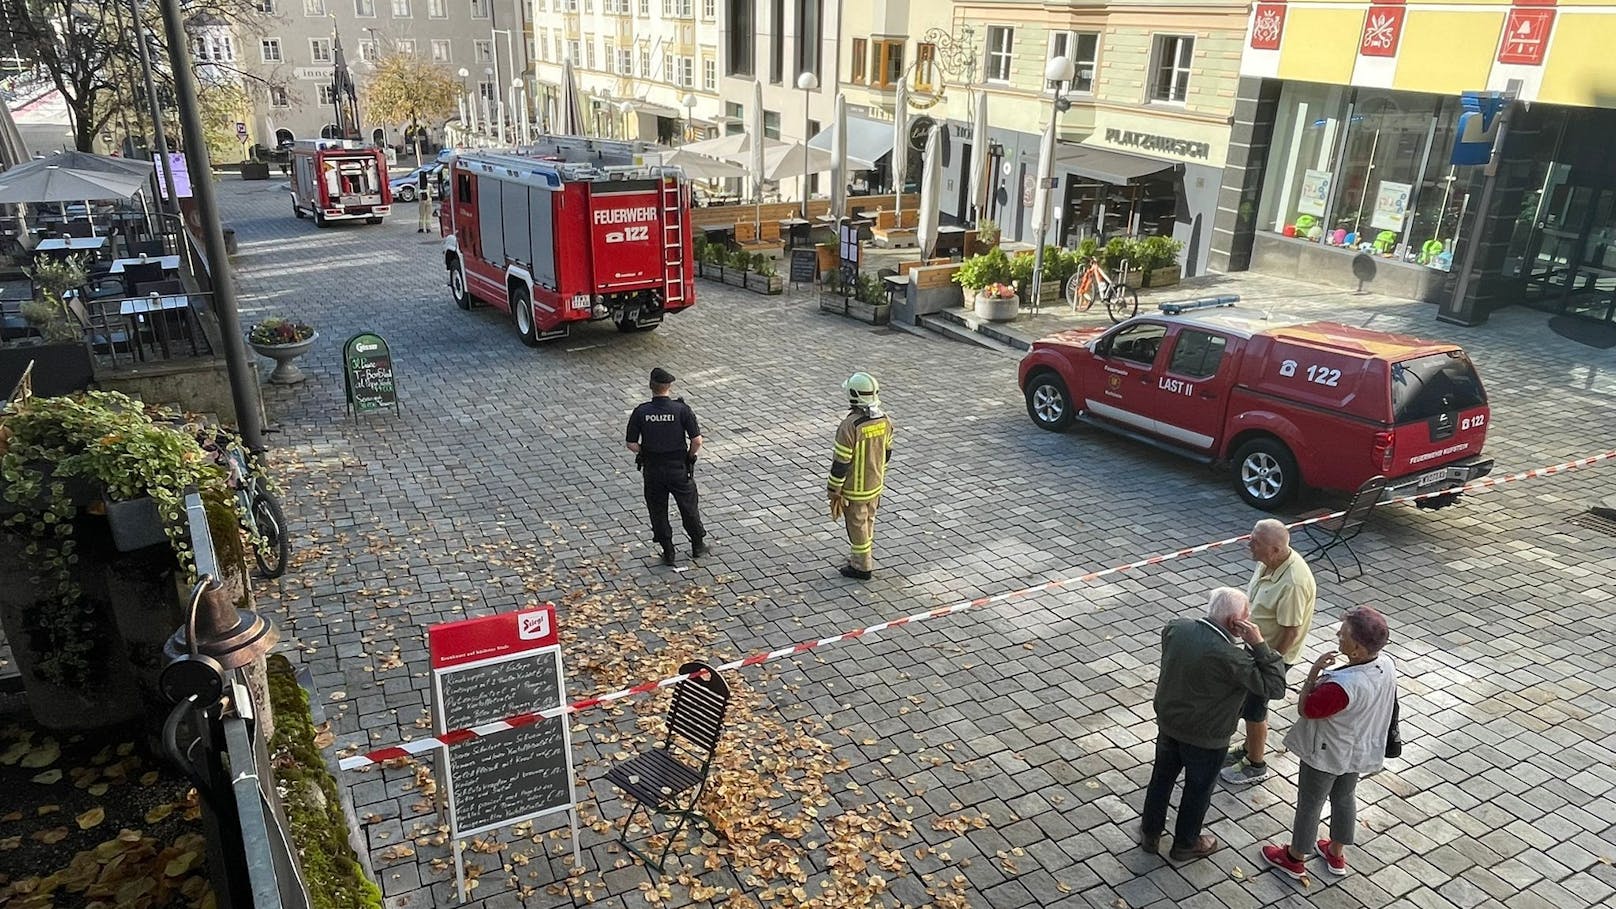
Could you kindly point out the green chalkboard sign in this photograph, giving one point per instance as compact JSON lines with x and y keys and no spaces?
{"x":367,"y":373}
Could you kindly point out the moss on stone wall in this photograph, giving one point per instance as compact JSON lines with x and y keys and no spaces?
{"x":335,"y":878}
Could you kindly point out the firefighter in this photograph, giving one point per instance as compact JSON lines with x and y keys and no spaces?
{"x":664,"y":437}
{"x":423,"y":201}
{"x":858,"y":471}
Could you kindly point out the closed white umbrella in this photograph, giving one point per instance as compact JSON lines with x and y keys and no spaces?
{"x":1046,"y":170}
{"x":572,"y":111}
{"x":756,"y":154}
{"x":900,"y":146}
{"x":838,"y":161}
{"x":981,"y":161}
{"x":931,"y":186}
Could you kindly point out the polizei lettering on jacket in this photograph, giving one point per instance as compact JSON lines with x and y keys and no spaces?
{"x":625,"y":215}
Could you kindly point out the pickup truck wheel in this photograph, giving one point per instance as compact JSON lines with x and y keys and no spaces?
{"x":1265,"y":473}
{"x":1049,"y":403}
{"x":457,"y":287}
{"x":522,"y":312}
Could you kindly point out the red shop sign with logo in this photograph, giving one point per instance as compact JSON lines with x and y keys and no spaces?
{"x":490,"y":637}
{"x":1268,"y":26}
{"x":1382,"y":30}
{"x":1526,"y":33}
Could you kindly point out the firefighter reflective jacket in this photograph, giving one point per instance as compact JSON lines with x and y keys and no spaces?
{"x":863,"y":447}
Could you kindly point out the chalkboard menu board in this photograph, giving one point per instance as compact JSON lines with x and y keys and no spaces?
{"x":804,"y":266}
{"x":496,"y":668}
{"x":367,"y":372}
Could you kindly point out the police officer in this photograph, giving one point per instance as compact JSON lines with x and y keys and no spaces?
{"x":858,"y":470}
{"x":658,"y":431}
{"x":423,"y":201}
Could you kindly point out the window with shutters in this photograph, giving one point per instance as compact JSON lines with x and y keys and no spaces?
{"x":886,"y":62}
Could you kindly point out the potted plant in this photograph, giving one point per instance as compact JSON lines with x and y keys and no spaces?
{"x":1157,"y":259}
{"x":740,"y":262}
{"x":977,"y":272}
{"x":1021,"y":273}
{"x":987,"y":236}
{"x":998,"y":303}
{"x":86,"y":621}
{"x":765,"y":278}
{"x":699,"y":251}
{"x":283,"y":341}
{"x":62,"y":361}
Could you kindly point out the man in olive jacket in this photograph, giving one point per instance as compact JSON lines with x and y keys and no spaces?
{"x":1206,"y":675}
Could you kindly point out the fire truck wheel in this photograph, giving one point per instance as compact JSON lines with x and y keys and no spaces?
{"x":320,"y":221}
{"x":297,"y":210}
{"x":627,"y":325}
{"x":522,"y":312}
{"x":373,"y":220}
{"x":457,"y":287}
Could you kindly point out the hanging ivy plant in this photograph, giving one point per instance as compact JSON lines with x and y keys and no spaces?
{"x":58,"y":458}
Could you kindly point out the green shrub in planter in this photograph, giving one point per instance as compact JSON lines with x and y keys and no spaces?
{"x":991,"y":267}
{"x":1087,"y":248}
{"x":1021,"y":269}
{"x":1116,"y":249}
{"x":1151,"y":253}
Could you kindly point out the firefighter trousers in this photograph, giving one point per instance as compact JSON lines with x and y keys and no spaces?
{"x":423,"y":212}
{"x":671,"y":478}
{"x":860,"y":518}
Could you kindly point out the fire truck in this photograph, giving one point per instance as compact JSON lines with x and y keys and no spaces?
{"x":568,"y":230}
{"x":339,"y":180}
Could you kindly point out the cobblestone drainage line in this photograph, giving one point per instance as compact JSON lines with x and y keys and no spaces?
{"x":456,"y":736}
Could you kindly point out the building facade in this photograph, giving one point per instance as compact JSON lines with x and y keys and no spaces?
{"x":647,"y":69}
{"x":1141,"y":149}
{"x":774,"y":42}
{"x":289,"y":48}
{"x":1460,"y":154}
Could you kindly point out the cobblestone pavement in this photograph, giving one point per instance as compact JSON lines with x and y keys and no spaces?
{"x":1002,"y":754}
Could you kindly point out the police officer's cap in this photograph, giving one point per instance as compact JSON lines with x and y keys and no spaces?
{"x":660,"y":376}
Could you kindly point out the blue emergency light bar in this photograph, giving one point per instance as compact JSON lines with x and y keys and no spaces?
{"x":1183,"y":306}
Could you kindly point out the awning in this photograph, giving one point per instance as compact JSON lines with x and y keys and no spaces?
{"x":1106,"y":166}
{"x":654,"y":109}
{"x":867,"y":139}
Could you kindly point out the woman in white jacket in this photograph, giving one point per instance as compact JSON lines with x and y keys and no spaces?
{"x":1341,"y":735}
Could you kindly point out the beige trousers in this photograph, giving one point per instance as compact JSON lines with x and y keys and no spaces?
{"x":860,"y":518}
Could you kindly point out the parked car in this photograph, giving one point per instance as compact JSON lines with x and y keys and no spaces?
{"x":404,"y":186}
{"x":1315,"y":403}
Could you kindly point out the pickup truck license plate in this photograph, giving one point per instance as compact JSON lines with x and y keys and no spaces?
{"x":1432,"y":478}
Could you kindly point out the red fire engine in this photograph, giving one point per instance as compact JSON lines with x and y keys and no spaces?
{"x":339,"y":180}
{"x":569,"y":230}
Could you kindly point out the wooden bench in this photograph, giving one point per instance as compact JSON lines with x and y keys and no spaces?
{"x":888,"y":233}
{"x":764,"y":237}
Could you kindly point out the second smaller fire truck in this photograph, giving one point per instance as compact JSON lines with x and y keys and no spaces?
{"x":339,"y":180}
{"x":569,"y":230}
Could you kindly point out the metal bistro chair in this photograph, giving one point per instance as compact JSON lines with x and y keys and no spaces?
{"x":1340,"y":530}
{"x":670,"y":778}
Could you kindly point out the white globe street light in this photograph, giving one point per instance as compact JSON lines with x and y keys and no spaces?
{"x":1060,"y":70}
{"x":689,"y":102}
{"x":809,"y":83}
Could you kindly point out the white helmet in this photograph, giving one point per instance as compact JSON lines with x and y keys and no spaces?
{"x":862,"y":390}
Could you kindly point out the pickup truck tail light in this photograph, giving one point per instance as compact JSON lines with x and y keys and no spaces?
{"x":1385,"y":449}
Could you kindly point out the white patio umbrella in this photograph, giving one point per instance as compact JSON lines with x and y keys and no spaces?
{"x":784,"y":160}
{"x":54,"y":183}
{"x":572,"y":111}
{"x":755,"y":154}
{"x":981,"y":161}
{"x":931,"y":186}
{"x":84,"y":162}
{"x":728,"y":146}
{"x":701,"y":167}
{"x":900,"y":145}
{"x":838,"y":161}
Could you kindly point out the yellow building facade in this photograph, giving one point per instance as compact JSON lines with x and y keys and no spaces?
{"x":1458,"y":152}
{"x":1142,"y":145}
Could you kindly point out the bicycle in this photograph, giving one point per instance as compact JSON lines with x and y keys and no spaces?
{"x":261,"y":515}
{"x":1092,"y":284}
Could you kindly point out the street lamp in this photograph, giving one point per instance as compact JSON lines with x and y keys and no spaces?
{"x":1060,"y":71}
{"x":470,"y":103}
{"x":495,"y":108}
{"x":518,"y":110}
{"x":809,"y":83}
{"x":624,"y":107}
{"x":689,"y":102}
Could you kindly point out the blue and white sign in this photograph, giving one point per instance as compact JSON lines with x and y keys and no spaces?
{"x":1478,"y":127}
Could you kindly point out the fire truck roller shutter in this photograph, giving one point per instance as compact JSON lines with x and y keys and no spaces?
{"x":513,"y":201}
{"x":541,"y":208}
{"x":488,"y":213}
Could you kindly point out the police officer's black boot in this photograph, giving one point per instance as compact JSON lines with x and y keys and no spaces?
{"x":667,"y":554}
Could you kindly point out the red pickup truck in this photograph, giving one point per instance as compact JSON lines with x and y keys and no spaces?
{"x":1315,"y":403}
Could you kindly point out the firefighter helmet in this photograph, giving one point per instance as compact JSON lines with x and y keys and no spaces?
{"x":862,"y":390}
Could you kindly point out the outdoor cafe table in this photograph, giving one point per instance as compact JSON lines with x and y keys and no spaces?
{"x":168,"y":263}
{"x":74,"y":244}
{"x":135,"y":307}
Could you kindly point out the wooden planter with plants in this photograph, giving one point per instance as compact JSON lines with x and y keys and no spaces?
{"x":61,"y":358}
{"x":865,"y":299}
{"x":737,"y":268}
{"x":94,"y":546}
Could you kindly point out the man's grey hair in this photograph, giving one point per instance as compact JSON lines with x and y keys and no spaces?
{"x":1272,"y":531}
{"x":1226,"y":604}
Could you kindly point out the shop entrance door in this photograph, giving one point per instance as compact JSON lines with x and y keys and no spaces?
{"x":1574,"y":269}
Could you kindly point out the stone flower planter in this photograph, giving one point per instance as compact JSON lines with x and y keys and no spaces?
{"x":286,"y":373}
{"x":998,"y":309}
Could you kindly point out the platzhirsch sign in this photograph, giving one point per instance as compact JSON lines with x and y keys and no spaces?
{"x":1167,"y":145}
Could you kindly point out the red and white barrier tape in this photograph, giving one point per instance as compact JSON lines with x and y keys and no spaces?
{"x":456,"y":736}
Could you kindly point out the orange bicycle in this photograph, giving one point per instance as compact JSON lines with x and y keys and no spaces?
{"x":1093,"y":284}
